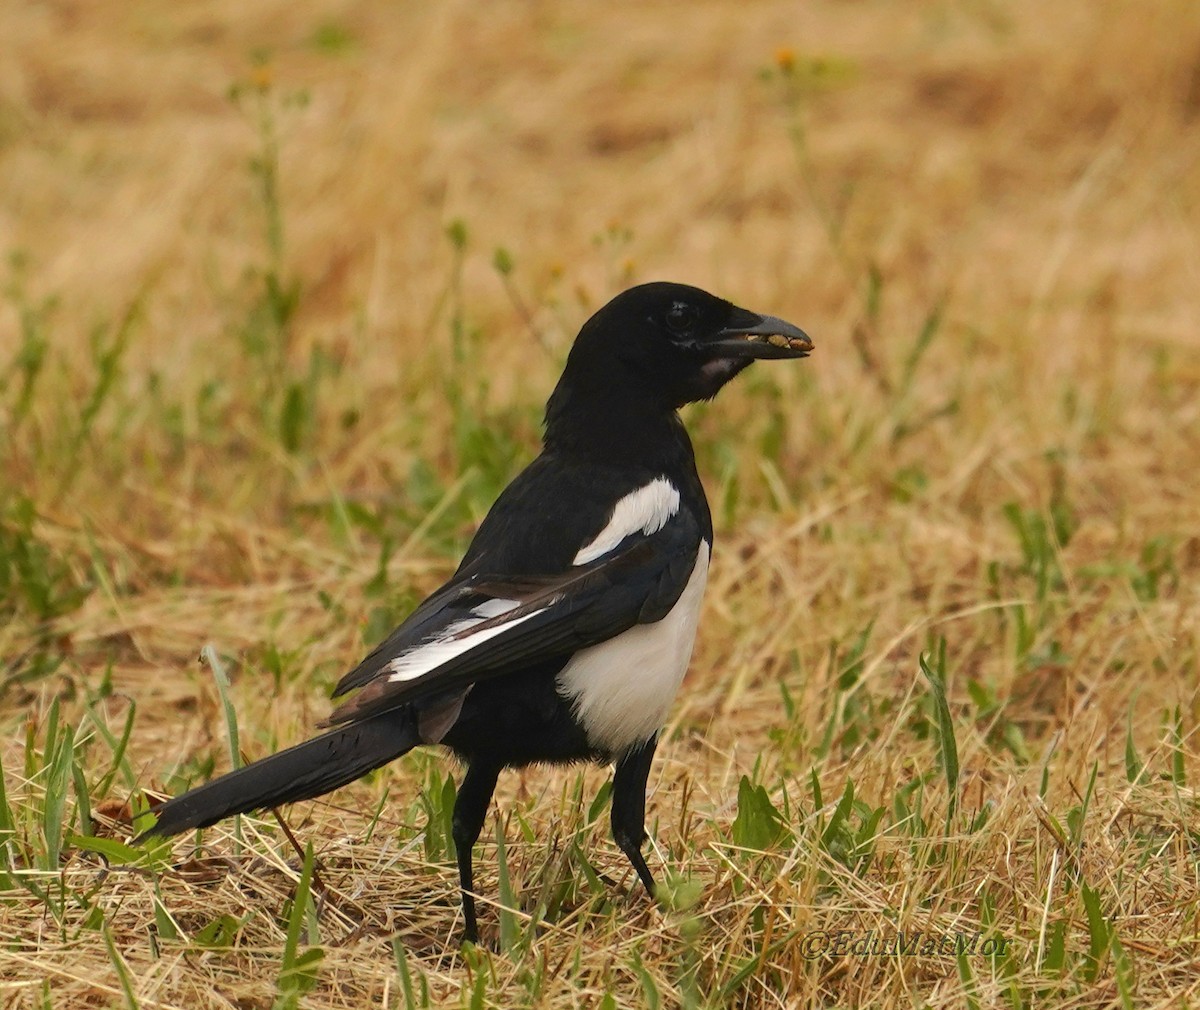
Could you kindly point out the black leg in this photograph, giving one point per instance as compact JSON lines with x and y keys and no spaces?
{"x":629,"y":807}
{"x":470,"y":809}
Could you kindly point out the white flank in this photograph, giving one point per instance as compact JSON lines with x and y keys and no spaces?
{"x":622,"y":689}
{"x":647,"y":510}
{"x":432,"y":654}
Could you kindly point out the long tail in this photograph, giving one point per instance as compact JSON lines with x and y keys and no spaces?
{"x":310,"y":769}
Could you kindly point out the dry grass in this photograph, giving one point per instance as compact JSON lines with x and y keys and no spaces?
{"x":987,"y":215}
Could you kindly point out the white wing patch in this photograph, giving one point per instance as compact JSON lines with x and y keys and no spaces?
{"x":647,"y":510}
{"x":622,"y":689}
{"x":491,"y":608}
{"x":452,"y":642}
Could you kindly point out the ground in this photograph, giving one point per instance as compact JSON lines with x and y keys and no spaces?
{"x":285,"y":287}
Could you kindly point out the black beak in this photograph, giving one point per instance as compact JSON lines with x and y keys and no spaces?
{"x":755,"y":336}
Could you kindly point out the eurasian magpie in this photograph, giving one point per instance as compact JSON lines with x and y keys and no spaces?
{"x":566,"y":631}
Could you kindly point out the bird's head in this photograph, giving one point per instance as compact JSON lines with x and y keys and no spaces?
{"x":675,"y":343}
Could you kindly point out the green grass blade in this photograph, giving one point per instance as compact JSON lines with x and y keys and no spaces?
{"x":8,"y":835}
{"x":1133,"y":764}
{"x":58,"y":775}
{"x":944,"y":725}
{"x":404,"y":973}
{"x":117,"y":746}
{"x":221,"y":678}
{"x":508,"y":901}
{"x":1099,"y":933}
{"x":298,"y":971}
{"x":651,"y":999}
{"x":122,"y":970}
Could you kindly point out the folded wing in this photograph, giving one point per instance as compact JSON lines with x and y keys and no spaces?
{"x":483,"y":626}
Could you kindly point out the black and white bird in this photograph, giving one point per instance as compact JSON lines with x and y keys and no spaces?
{"x":567,"y":629}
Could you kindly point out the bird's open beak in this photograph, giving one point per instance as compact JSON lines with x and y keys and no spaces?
{"x":757,"y":336}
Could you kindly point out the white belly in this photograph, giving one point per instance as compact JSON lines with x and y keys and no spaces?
{"x":622,"y":689}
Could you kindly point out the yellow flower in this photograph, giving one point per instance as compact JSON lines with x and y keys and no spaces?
{"x":262,"y":76}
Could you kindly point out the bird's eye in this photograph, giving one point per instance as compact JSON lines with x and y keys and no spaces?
{"x":680,"y":318}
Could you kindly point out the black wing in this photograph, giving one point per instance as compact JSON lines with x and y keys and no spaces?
{"x":483,"y":626}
